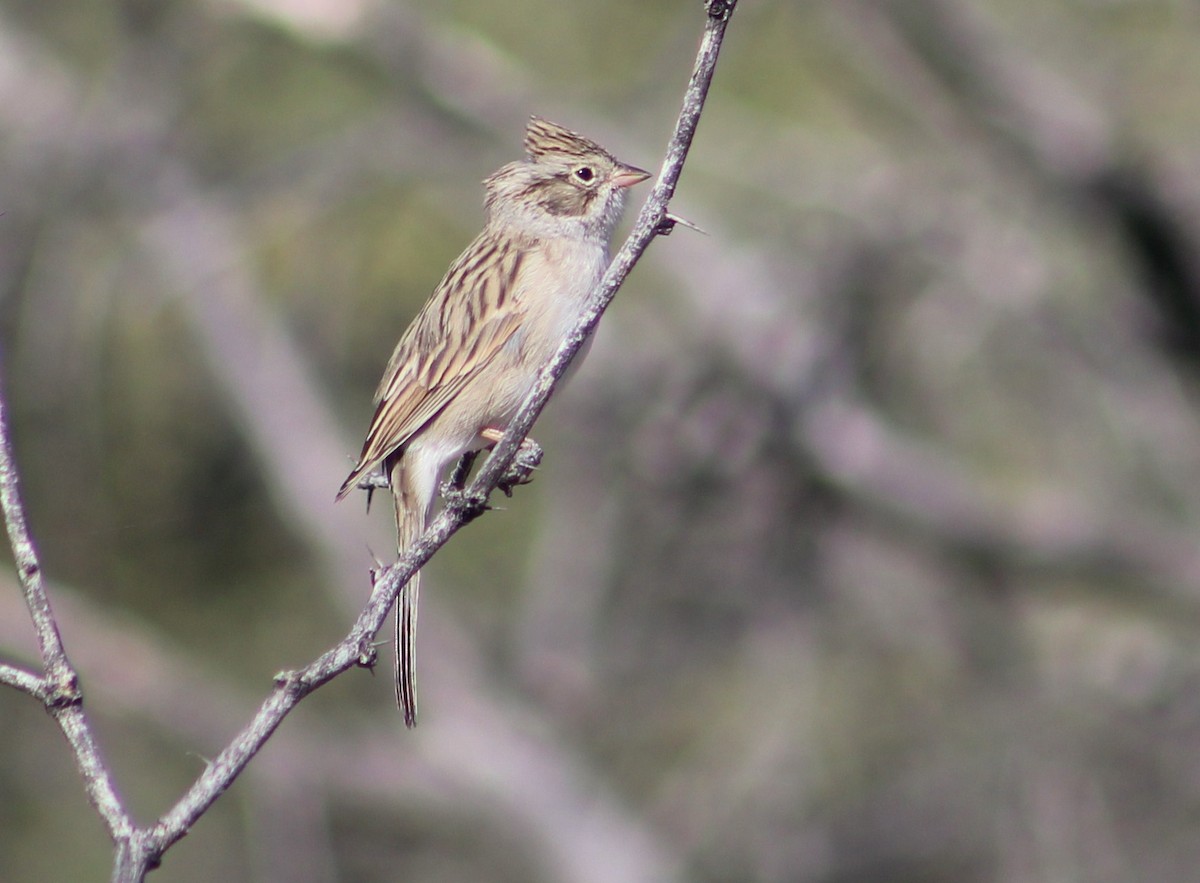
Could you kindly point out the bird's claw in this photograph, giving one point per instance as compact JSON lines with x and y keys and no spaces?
{"x":520,"y":470}
{"x":470,"y":504}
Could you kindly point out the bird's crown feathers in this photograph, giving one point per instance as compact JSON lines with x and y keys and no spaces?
{"x":544,"y":138}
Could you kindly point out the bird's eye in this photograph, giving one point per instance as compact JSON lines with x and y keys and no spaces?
{"x":584,"y":173}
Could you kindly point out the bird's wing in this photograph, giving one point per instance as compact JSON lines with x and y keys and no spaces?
{"x":470,"y":316}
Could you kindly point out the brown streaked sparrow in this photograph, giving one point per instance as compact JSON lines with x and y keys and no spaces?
{"x":466,"y":362}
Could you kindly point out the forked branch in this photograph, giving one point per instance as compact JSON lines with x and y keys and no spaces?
{"x":139,"y":850}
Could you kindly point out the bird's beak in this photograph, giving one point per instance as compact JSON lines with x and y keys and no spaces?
{"x":627,"y":176}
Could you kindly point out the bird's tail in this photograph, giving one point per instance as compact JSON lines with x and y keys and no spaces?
{"x":410,"y":524}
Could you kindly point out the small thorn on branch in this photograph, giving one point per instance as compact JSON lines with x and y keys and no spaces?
{"x":719,"y":9}
{"x":371,"y":483}
{"x":667,"y":225}
{"x":368,"y":656}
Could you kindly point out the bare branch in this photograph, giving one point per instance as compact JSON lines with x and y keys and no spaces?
{"x":25,"y":681}
{"x":565,"y":811}
{"x":140,"y":852}
{"x":59,"y":688}
{"x":29,"y":570}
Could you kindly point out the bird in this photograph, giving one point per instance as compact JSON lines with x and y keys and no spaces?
{"x":466,"y":362}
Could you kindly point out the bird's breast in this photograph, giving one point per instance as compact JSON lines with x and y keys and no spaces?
{"x":560,"y":279}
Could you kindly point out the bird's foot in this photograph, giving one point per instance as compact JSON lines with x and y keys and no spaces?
{"x":520,"y":470}
{"x":467,"y":503}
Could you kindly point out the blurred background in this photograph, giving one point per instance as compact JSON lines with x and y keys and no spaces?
{"x":865,"y":547}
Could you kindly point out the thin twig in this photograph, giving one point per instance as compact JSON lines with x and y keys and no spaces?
{"x":25,"y":681}
{"x":58,"y":669}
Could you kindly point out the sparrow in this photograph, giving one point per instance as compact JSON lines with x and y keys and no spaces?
{"x":463,"y":367}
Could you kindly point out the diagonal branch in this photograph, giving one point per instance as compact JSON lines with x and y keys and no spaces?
{"x":356,"y":648}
